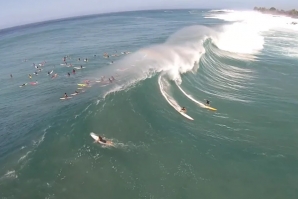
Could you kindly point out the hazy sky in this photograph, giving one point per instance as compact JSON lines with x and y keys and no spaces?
{"x":18,"y":12}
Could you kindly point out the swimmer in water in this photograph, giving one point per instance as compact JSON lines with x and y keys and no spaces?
{"x":30,"y":76}
{"x":68,"y":74}
{"x":10,"y":75}
{"x":79,"y":59}
{"x":74,"y":71}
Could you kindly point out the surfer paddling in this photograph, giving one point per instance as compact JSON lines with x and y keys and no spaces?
{"x":103,"y":141}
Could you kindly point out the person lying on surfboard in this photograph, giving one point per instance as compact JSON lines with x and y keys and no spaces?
{"x":101,"y":140}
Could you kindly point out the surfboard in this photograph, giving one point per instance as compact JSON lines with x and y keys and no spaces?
{"x":79,"y":68}
{"x":170,"y":102}
{"x":63,"y":98}
{"x":210,"y":108}
{"x":95,"y":137}
{"x":74,"y":93}
{"x":23,"y":85}
{"x":82,"y":84}
{"x":191,"y":98}
{"x":185,"y":115}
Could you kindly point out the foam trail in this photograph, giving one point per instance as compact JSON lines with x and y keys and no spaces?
{"x":190,"y":97}
{"x":170,"y":100}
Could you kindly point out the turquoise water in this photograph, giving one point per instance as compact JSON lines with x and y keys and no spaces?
{"x":244,"y":64}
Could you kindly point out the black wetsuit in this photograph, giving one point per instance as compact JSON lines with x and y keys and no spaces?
{"x":208,"y":102}
{"x":102,"y":140}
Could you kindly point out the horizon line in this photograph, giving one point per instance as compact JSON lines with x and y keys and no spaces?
{"x":8,"y":29}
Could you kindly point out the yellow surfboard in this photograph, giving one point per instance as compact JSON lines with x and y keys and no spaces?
{"x":210,"y":108}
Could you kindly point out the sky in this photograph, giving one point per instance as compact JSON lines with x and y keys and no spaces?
{"x":20,"y":12}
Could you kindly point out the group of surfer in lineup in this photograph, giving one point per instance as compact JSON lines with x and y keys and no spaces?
{"x":103,"y":79}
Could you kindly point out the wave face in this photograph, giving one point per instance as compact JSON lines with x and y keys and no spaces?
{"x":244,"y":63}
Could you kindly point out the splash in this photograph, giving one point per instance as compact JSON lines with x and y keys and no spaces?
{"x":246,"y":30}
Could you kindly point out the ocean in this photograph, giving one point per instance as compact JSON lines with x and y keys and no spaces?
{"x":243,"y":62}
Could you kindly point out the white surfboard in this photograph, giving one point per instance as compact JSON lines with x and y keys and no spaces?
{"x":63,"y":98}
{"x":79,"y":68}
{"x":94,"y":136}
{"x":23,"y":85}
{"x":74,"y":93}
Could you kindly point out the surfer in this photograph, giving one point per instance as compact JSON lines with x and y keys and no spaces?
{"x":81,"y":66}
{"x":73,"y":71}
{"x":68,"y":74}
{"x":183,"y":109}
{"x":10,"y":75}
{"x":30,"y":76}
{"x":113,"y":78}
{"x":23,"y":85}
{"x":79,"y":59}
{"x":102,"y":140}
{"x":207,"y":102}
{"x":49,"y":72}
{"x":76,"y":92}
{"x":65,"y":95}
